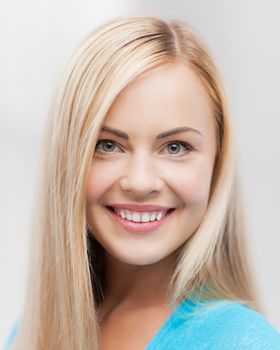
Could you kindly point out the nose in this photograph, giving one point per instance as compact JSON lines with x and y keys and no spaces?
{"x":141,"y":177}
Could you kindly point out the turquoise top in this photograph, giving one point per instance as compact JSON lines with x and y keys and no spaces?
{"x":225,"y":325}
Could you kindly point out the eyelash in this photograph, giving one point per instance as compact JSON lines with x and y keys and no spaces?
{"x":187,"y":146}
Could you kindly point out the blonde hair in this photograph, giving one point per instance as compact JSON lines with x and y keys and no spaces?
{"x":65,"y":284}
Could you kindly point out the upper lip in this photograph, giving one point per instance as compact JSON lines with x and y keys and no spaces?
{"x":140,"y":207}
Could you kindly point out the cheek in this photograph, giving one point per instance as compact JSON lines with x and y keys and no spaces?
{"x":192,"y":183}
{"x":99,"y":180}
{"x":101,"y":176}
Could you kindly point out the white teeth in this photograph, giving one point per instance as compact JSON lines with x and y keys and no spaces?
{"x":159,"y":216}
{"x":139,"y":216}
{"x":136,"y":217}
{"x":145,"y":217}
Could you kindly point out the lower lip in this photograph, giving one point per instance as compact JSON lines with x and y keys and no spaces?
{"x":140,"y":227}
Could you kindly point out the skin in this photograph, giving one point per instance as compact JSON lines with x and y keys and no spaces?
{"x":147,"y":170}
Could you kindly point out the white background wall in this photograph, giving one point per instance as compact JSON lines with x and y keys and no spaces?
{"x":37,"y":38}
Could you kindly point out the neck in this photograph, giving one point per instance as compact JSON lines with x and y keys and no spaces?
{"x":136,"y":286}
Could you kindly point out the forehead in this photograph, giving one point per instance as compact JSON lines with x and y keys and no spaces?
{"x":167,"y":97}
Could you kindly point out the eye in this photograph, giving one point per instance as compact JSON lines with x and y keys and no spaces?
{"x":106,"y":146}
{"x":178,"y":148}
{"x":174,"y":148}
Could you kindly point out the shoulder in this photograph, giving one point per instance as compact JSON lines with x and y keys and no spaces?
{"x":230,"y":325}
{"x":216,"y":325}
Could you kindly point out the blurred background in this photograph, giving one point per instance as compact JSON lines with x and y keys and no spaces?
{"x":37,"y":39}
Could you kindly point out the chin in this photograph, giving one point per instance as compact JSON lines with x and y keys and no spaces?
{"x":138,"y":259}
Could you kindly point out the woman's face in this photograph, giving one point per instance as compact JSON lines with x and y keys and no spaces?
{"x":157,"y":147}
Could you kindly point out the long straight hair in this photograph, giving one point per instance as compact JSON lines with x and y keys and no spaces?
{"x":65,"y":279}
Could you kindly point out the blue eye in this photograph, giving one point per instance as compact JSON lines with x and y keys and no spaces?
{"x":175,"y":148}
{"x":105,"y":146}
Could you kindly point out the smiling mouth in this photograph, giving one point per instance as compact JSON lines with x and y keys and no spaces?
{"x":113,"y":210}
{"x":137,"y":223}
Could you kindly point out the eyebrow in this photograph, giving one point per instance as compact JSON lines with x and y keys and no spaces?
{"x":162,"y":135}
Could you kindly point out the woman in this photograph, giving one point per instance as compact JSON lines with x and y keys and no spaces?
{"x":139,"y":240}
